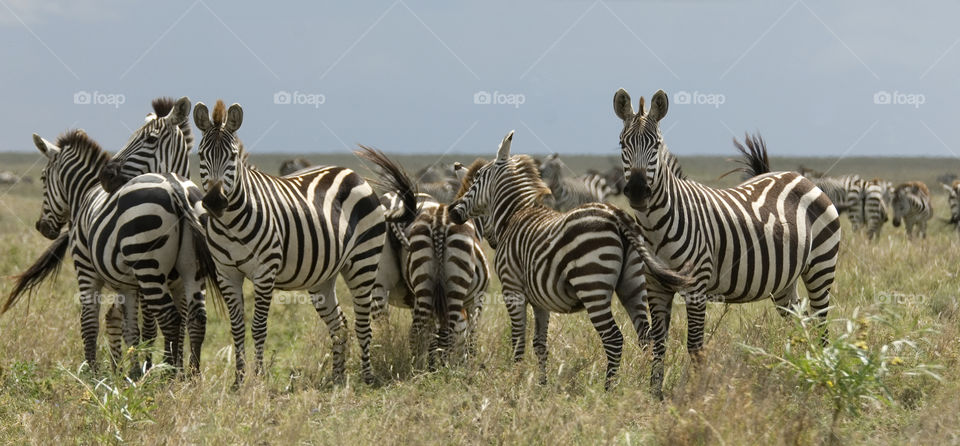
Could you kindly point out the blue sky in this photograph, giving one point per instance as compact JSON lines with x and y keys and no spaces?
{"x":850,"y":78}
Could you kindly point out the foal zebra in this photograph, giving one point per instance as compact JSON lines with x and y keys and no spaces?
{"x":561,"y":262}
{"x":568,"y":193}
{"x":874,"y":207}
{"x":291,"y":233}
{"x":746,"y":243}
{"x":441,"y":263}
{"x":144,"y":241}
{"x":911,"y":203}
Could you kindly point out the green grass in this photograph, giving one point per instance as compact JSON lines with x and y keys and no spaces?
{"x":748,"y":390}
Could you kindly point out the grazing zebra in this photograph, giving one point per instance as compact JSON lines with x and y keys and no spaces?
{"x":293,"y":165}
{"x":838,"y":189}
{"x":144,"y":241}
{"x":746,"y":243}
{"x":560,"y":262}
{"x":911,"y":203}
{"x":874,"y":207}
{"x":162,"y":144}
{"x":442,"y":264}
{"x":289,"y":233}
{"x":568,"y":193}
{"x":953,"y":200}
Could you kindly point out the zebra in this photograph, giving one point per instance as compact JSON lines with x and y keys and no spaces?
{"x":854,"y":204}
{"x":482,"y":223}
{"x":443,"y":265}
{"x":144,"y":241}
{"x":290,"y":233}
{"x":953,"y":200}
{"x":560,"y":262}
{"x":838,"y":189}
{"x":911,"y":204}
{"x":613,"y":178}
{"x":745,"y":243}
{"x":294,"y":165}
{"x":162,"y":144}
{"x":568,"y":193}
{"x":874,"y":207}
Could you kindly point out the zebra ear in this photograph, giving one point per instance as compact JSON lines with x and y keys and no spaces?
{"x":234,"y":118}
{"x":658,"y":105}
{"x":622,"y":106}
{"x":180,"y":111}
{"x":201,"y":117}
{"x":504,"y":151}
{"x":45,"y":147}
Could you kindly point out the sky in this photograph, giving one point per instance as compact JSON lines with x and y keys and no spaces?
{"x":815,"y":78}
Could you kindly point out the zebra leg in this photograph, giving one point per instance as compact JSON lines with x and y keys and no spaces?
{"x":541,"y":321}
{"x":453,"y":336}
{"x":89,"y":313}
{"x":422,"y":338}
{"x":818,"y":279}
{"x":129,"y":307}
{"x":661,"y":303}
{"x":597,"y":303}
{"x":116,"y":329}
{"x":632,"y":293}
{"x":325,"y":302}
{"x":361,"y":278}
{"x":263,"y":295}
{"x":192,"y":288}
{"x":148,"y":333}
{"x":696,"y":316}
{"x":231,"y":284}
{"x":787,"y":300}
{"x":517,"y":309}
{"x":168,"y":318}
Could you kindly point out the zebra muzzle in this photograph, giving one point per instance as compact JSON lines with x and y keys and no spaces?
{"x":48,"y":229}
{"x":637,"y":190}
{"x":457,"y":214}
{"x":214,"y":201}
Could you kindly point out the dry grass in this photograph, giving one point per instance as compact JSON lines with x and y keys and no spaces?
{"x":734,"y":398}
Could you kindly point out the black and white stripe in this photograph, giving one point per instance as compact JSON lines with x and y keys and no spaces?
{"x":875,"y":213}
{"x":560,"y":262}
{"x":569,"y":192}
{"x":144,"y":241}
{"x":953,"y":201}
{"x":442,"y":265}
{"x":745,"y":243}
{"x":911,"y":204}
{"x":289,"y":233}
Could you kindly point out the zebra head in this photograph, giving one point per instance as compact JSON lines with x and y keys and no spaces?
{"x":476,"y":190}
{"x":71,"y":170}
{"x":162,"y":144}
{"x":221,"y":153}
{"x":641,"y":144}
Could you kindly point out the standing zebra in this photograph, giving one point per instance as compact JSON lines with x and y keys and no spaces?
{"x":953,"y":200}
{"x":561,"y":262}
{"x":874,"y":207}
{"x":838,"y":189}
{"x":745,"y":243}
{"x":441,"y":263}
{"x":290,"y":233}
{"x":568,"y":193}
{"x":144,"y":241}
{"x":911,"y":203}
{"x":162,"y":144}
{"x":854,"y":204}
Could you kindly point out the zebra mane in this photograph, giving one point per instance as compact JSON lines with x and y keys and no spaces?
{"x":468,"y":177}
{"x":85,"y":145}
{"x":525,"y":167}
{"x":919,"y":186}
{"x":219,"y":116}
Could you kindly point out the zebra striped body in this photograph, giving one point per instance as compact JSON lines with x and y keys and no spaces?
{"x":558,"y":262}
{"x":838,"y":189}
{"x":289,"y":233}
{"x":874,"y":207}
{"x":953,"y":200}
{"x":443,"y":269}
{"x":911,"y":204}
{"x":854,"y":204}
{"x":567,"y":193}
{"x":142,"y":241}
{"x":745,"y":243}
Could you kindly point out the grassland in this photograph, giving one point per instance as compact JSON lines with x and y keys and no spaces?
{"x":861,"y":392}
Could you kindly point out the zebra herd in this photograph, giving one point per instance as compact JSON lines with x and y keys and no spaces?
{"x":136,"y":224}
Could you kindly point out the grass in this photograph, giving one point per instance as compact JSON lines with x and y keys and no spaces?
{"x":762,"y":380}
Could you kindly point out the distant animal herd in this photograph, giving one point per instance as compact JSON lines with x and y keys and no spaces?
{"x":134,"y":223}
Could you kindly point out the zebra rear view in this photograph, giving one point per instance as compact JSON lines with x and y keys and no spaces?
{"x":560,"y":262}
{"x":290,"y":233}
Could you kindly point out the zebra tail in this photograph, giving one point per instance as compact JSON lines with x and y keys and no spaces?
{"x":49,"y":262}
{"x":206,"y":265}
{"x":673,"y":280}
{"x":439,"y":293}
{"x":755,"y":160}
{"x":393,"y":178}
